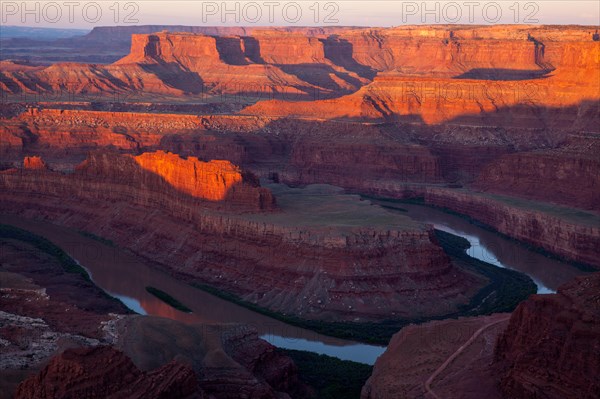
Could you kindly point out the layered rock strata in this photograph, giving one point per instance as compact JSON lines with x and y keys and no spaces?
{"x":567,"y":174}
{"x":310,"y":64}
{"x":567,"y":232}
{"x":313,"y":263}
{"x":109,"y":352}
{"x":102,"y":372}
{"x":551,"y":346}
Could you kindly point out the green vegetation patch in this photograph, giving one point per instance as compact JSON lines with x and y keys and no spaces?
{"x":68,"y":263}
{"x":168,"y":299}
{"x":506,"y":289}
{"x":371,"y":333}
{"x":93,"y":236}
{"x":384,"y":203}
{"x":331,"y":378}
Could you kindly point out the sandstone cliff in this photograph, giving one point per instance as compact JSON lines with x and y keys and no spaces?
{"x":160,"y":177}
{"x":215,"y":181}
{"x":312,"y":262}
{"x":567,"y":232}
{"x":48,"y":306}
{"x":34,"y":163}
{"x":477,"y":75}
{"x":310,"y":64}
{"x":568,"y":175}
{"x":551,"y":347}
{"x":561,"y":231}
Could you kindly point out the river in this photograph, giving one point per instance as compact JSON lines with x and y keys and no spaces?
{"x":126,"y":276}
{"x":488,"y":246}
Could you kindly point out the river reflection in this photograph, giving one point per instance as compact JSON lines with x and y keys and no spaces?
{"x":126,"y":276}
{"x":547,"y":273}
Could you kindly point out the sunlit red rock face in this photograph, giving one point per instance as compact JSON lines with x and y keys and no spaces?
{"x":119,"y":37}
{"x":71,"y":134}
{"x":34,"y":163}
{"x":291,"y":66}
{"x":551,"y":347}
{"x":372,"y":159}
{"x":437,"y":75}
{"x":208,"y":180}
{"x":323,"y":63}
{"x":316,"y":271}
{"x":157,"y":177}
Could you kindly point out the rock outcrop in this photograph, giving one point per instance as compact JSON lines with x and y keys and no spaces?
{"x":230,"y":361}
{"x":103,"y":372}
{"x":567,"y":175}
{"x":155,"y":177}
{"x":47,"y":308}
{"x":311,"y":261}
{"x":34,"y":163}
{"x":551,"y":347}
{"x":317,"y":63}
{"x":214,"y":181}
{"x":419,"y":352}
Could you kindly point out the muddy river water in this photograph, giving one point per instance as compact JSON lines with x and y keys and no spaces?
{"x":125,"y":276}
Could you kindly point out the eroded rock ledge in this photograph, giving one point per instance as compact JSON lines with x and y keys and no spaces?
{"x":287,"y":261}
{"x":551,"y":346}
{"x":47,"y":308}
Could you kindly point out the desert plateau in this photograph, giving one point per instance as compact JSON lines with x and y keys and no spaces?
{"x":343,"y":211}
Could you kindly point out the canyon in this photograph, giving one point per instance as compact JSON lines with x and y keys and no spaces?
{"x":387,"y":160}
{"x":524,"y":355}
{"x":49,"y":332}
{"x":269,"y":166}
{"x":315,"y":262}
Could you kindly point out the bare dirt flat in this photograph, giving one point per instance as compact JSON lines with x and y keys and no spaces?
{"x":323,"y":205}
{"x":418,"y":352}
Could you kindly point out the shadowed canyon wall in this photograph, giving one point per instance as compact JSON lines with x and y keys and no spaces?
{"x":551,"y":346}
{"x":369,"y":158}
{"x":548,"y":347}
{"x":316,"y":271}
